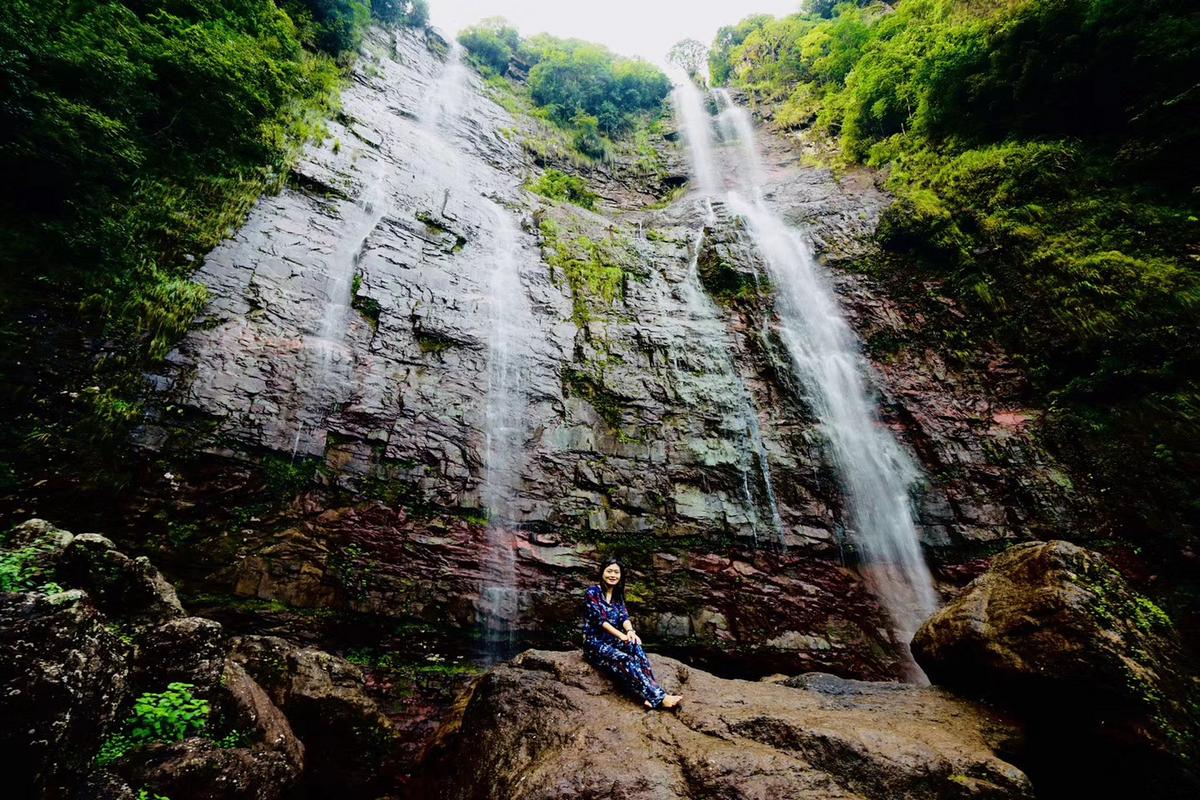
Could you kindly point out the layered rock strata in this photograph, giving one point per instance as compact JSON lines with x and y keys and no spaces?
{"x":347,"y":343}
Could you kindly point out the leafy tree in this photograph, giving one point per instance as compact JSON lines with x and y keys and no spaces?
{"x":573,"y":77}
{"x":689,"y":55}
{"x":413,"y":13}
{"x":729,"y":37}
{"x":334,"y":26}
{"x":491,"y":43}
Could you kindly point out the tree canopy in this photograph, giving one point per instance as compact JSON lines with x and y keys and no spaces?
{"x":689,"y":55}
{"x":1043,"y":157}
{"x":572,"y":79}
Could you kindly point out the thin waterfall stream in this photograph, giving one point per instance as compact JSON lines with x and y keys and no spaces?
{"x":703,"y":308}
{"x":325,"y":347}
{"x":874,"y":469}
{"x":508,"y":324}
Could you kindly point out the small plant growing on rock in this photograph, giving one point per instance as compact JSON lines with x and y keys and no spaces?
{"x":24,"y":570}
{"x":169,"y":716}
{"x":166,"y":716}
{"x":559,"y":186}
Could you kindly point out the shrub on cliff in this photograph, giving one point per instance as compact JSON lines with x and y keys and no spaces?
{"x":491,"y":43}
{"x":571,"y":79}
{"x":560,"y":186}
{"x":1042,"y":155}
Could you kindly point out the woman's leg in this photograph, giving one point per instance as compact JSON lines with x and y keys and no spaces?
{"x":626,"y":669}
{"x":642,"y":674}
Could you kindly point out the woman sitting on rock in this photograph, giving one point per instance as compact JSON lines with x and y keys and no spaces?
{"x":610,"y":643}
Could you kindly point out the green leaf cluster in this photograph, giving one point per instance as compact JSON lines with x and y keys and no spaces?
{"x":167,"y":716}
{"x":559,"y":186}
{"x":20,"y":570}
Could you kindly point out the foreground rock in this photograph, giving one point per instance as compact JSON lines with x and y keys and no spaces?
{"x":1054,"y":633}
{"x":64,"y":677}
{"x":547,"y":725}
{"x":73,"y":662}
{"x":348,"y":739}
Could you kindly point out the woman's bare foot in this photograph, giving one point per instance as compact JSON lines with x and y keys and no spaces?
{"x":671,"y":700}
{"x":646,"y":703}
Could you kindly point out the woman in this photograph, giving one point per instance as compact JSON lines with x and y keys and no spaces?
{"x":611,"y":644}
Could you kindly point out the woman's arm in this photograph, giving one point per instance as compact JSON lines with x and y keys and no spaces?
{"x":627,"y":624}
{"x":608,"y":626}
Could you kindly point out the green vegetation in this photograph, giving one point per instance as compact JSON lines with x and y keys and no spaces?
{"x":167,"y":716}
{"x":595,"y":270}
{"x":1042,"y":155}
{"x":579,"y":86}
{"x":354,"y":570}
{"x":138,"y":134}
{"x":560,"y":186}
{"x":578,"y":383}
{"x":286,"y":477}
{"x":27,"y":569}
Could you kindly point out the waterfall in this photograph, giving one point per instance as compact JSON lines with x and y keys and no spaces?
{"x":693,"y":119}
{"x":705,"y":311}
{"x":328,"y":360}
{"x":874,"y":469}
{"x":509,"y":321}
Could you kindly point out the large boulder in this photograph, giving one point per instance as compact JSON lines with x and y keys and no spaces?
{"x":349,"y":743}
{"x":547,"y":725}
{"x":64,"y":678}
{"x":71,"y":663}
{"x":200,"y":769}
{"x":129,"y":588}
{"x":189,"y":649}
{"x":1053,"y":632}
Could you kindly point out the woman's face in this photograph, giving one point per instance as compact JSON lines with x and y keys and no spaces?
{"x":612,"y":575}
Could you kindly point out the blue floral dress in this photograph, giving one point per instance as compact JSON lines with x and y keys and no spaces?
{"x":623,"y":661}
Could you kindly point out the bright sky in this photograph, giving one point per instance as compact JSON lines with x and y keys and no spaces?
{"x":645,"y":28}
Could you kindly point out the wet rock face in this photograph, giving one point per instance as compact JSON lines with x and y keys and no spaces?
{"x":350,"y":323}
{"x":548,"y":726}
{"x":348,"y":339}
{"x":756,"y":612}
{"x":1052,"y":632}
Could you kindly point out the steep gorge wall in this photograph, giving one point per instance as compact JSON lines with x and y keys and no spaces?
{"x":347,"y":342}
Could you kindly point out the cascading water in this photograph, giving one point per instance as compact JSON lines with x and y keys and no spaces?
{"x":703,"y":166}
{"x":875,"y":471}
{"x":509,"y":317}
{"x":329,"y":360}
{"x":706,"y":313}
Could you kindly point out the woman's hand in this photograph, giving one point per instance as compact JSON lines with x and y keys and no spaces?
{"x":632,"y":636}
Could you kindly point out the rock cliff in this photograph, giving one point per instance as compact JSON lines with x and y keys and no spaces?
{"x":321,"y":436}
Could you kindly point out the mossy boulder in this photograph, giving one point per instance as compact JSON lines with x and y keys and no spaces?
{"x":1053,"y":632}
{"x":65,"y":677}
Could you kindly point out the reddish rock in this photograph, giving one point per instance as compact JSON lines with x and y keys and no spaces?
{"x":547,"y":725}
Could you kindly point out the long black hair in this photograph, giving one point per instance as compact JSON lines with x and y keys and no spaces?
{"x":618,"y":593}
